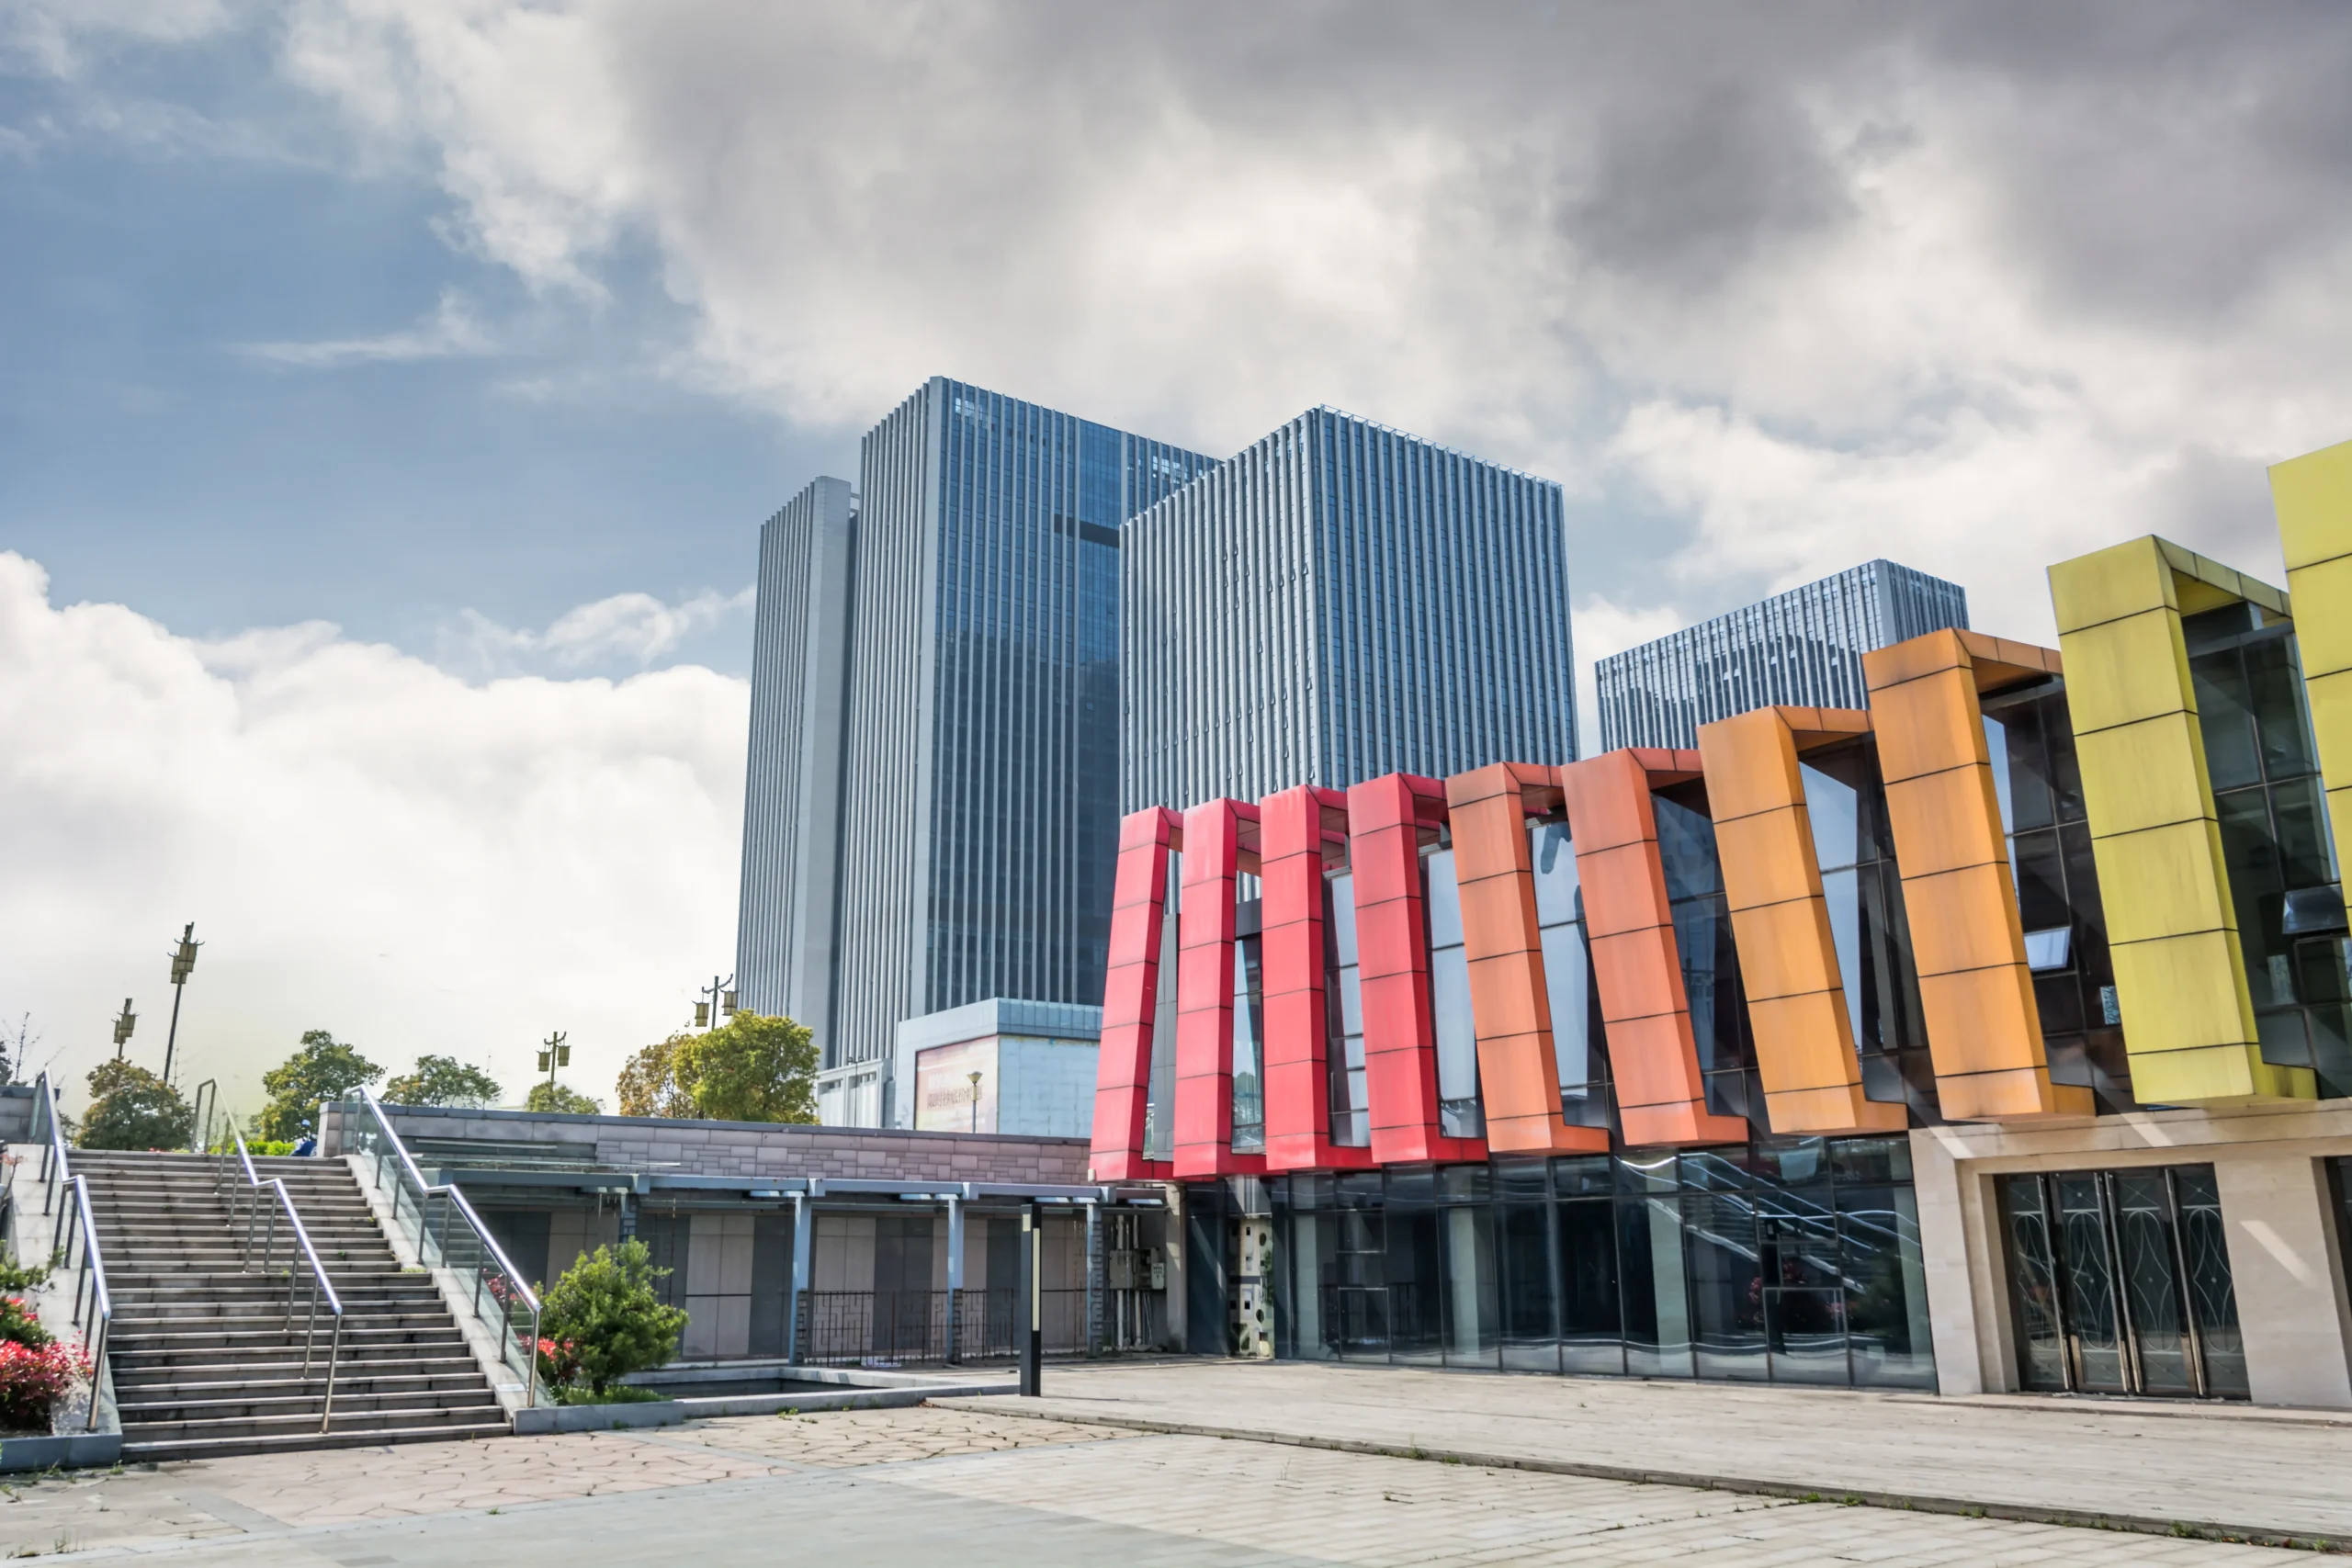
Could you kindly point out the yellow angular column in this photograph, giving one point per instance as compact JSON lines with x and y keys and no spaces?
{"x":2179,"y":971}
{"x":2313,"y":495}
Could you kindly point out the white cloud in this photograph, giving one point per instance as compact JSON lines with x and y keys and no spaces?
{"x":367,"y":844}
{"x":624,"y":628}
{"x":450,"y":332}
{"x":1826,"y":288}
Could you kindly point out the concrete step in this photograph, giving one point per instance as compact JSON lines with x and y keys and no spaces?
{"x":142,"y":1437}
{"x":154,"y":1452}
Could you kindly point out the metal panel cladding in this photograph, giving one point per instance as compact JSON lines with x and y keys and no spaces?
{"x":980,"y":818}
{"x":783,"y":944}
{"x":1801,"y":648}
{"x":1339,"y":601}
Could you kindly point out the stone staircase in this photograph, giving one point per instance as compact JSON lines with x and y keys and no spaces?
{"x":205,"y":1362}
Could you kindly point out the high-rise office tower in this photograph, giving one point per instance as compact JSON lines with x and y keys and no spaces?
{"x":979,"y":810}
{"x":784,"y":943}
{"x":1801,"y":648}
{"x":1338,"y":602}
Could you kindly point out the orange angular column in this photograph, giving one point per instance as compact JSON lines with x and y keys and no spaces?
{"x":1215,"y":857}
{"x":1518,"y":1073}
{"x":1131,"y":997}
{"x":1385,"y":818}
{"x":1796,"y":1000}
{"x":1975,"y":986}
{"x":1636,"y":962}
{"x":1300,"y":830}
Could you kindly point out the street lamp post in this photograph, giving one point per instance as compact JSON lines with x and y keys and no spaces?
{"x":975,"y":1076}
{"x":183,"y":965}
{"x":718,"y":1003}
{"x":553,"y":1054}
{"x":123,"y":1024}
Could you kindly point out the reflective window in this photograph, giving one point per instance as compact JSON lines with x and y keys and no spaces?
{"x":2284,"y":881}
{"x":1160,"y":1106}
{"x":1459,"y":1113}
{"x":1795,"y":1261}
{"x":1248,"y":1034}
{"x":1343,"y":1005}
{"x":1702,"y":937}
{"x":2029,"y":739}
{"x":1578,"y":1034}
{"x":2120,"y":1282}
{"x":1847,"y":803}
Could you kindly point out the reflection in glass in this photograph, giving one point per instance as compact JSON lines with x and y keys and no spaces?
{"x":1658,"y":1301}
{"x":1460,"y":1114}
{"x":1248,"y":1046}
{"x":2212,"y":1297}
{"x":1727,"y":1285}
{"x":1160,"y":1104}
{"x":2088,"y":1278}
{"x":2034,"y":1285}
{"x":1343,"y":1013}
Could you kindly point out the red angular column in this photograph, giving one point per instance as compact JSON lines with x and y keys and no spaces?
{"x":1386,"y":816}
{"x":1215,"y":858}
{"x":1297,"y":827}
{"x":1131,"y":997}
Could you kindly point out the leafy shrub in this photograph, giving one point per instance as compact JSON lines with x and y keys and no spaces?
{"x":16,"y":1276}
{"x":619,"y":1394}
{"x":603,"y":1312}
{"x":20,"y":1324}
{"x":31,"y":1380}
{"x":562,"y":1099}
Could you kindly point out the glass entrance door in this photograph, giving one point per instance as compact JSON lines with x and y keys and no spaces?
{"x":2119,"y":1284}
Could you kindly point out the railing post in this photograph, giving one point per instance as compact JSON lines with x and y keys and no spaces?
{"x":335,"y":1353}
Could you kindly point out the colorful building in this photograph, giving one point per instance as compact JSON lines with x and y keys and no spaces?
{"x":1991,"y":1036}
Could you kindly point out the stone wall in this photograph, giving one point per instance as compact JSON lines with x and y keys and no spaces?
{"x":752,"y":1148}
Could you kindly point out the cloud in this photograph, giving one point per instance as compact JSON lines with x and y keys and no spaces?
{"x":450,"y":333}
{"x":367,"y":844}
{"x":1808,"y":284}
{"x":624,"y":628}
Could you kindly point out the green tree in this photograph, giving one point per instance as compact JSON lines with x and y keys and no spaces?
{"x":649,"y":1085}
{"x":325,"y":1068}
{"x":443,"y":1080}
{"x":130,"y":1108}
{"x":754,"y":1067}
{"x":605,"y":1316}
{"x":555,"y":1097}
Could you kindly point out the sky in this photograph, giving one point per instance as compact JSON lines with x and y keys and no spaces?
{"x":391,"y":390}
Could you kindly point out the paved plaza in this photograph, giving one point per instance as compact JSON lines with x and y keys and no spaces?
{"x":987,"y":1487}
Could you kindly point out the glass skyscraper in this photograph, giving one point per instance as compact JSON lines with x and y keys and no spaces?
{"x":1337,"y":601}
{"x":980,"y":752}
{"x":1801,"y":648}
{"x":784,"y":943}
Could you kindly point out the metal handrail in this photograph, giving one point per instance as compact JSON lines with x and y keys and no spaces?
{"x":504,"y":1282}
{"x":91,"y":1272}
{"x":320,"y":1288}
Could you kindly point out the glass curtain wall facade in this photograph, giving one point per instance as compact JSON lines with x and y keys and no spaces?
{"x":2030,"y":740}
{"x":1803,"y":649}
{"x":1846,"y":802}
{"x":979,"y":814}
{"x":1702,"y":933}
{"x":1338,"y":602}
{"x":1795,"y":1261}
{"x":2283,"y":873}
{"x":1578,"y":1033}
{"x":784,"y":951}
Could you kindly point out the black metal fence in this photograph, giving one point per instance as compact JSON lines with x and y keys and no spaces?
{"x":889,"y":1328}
